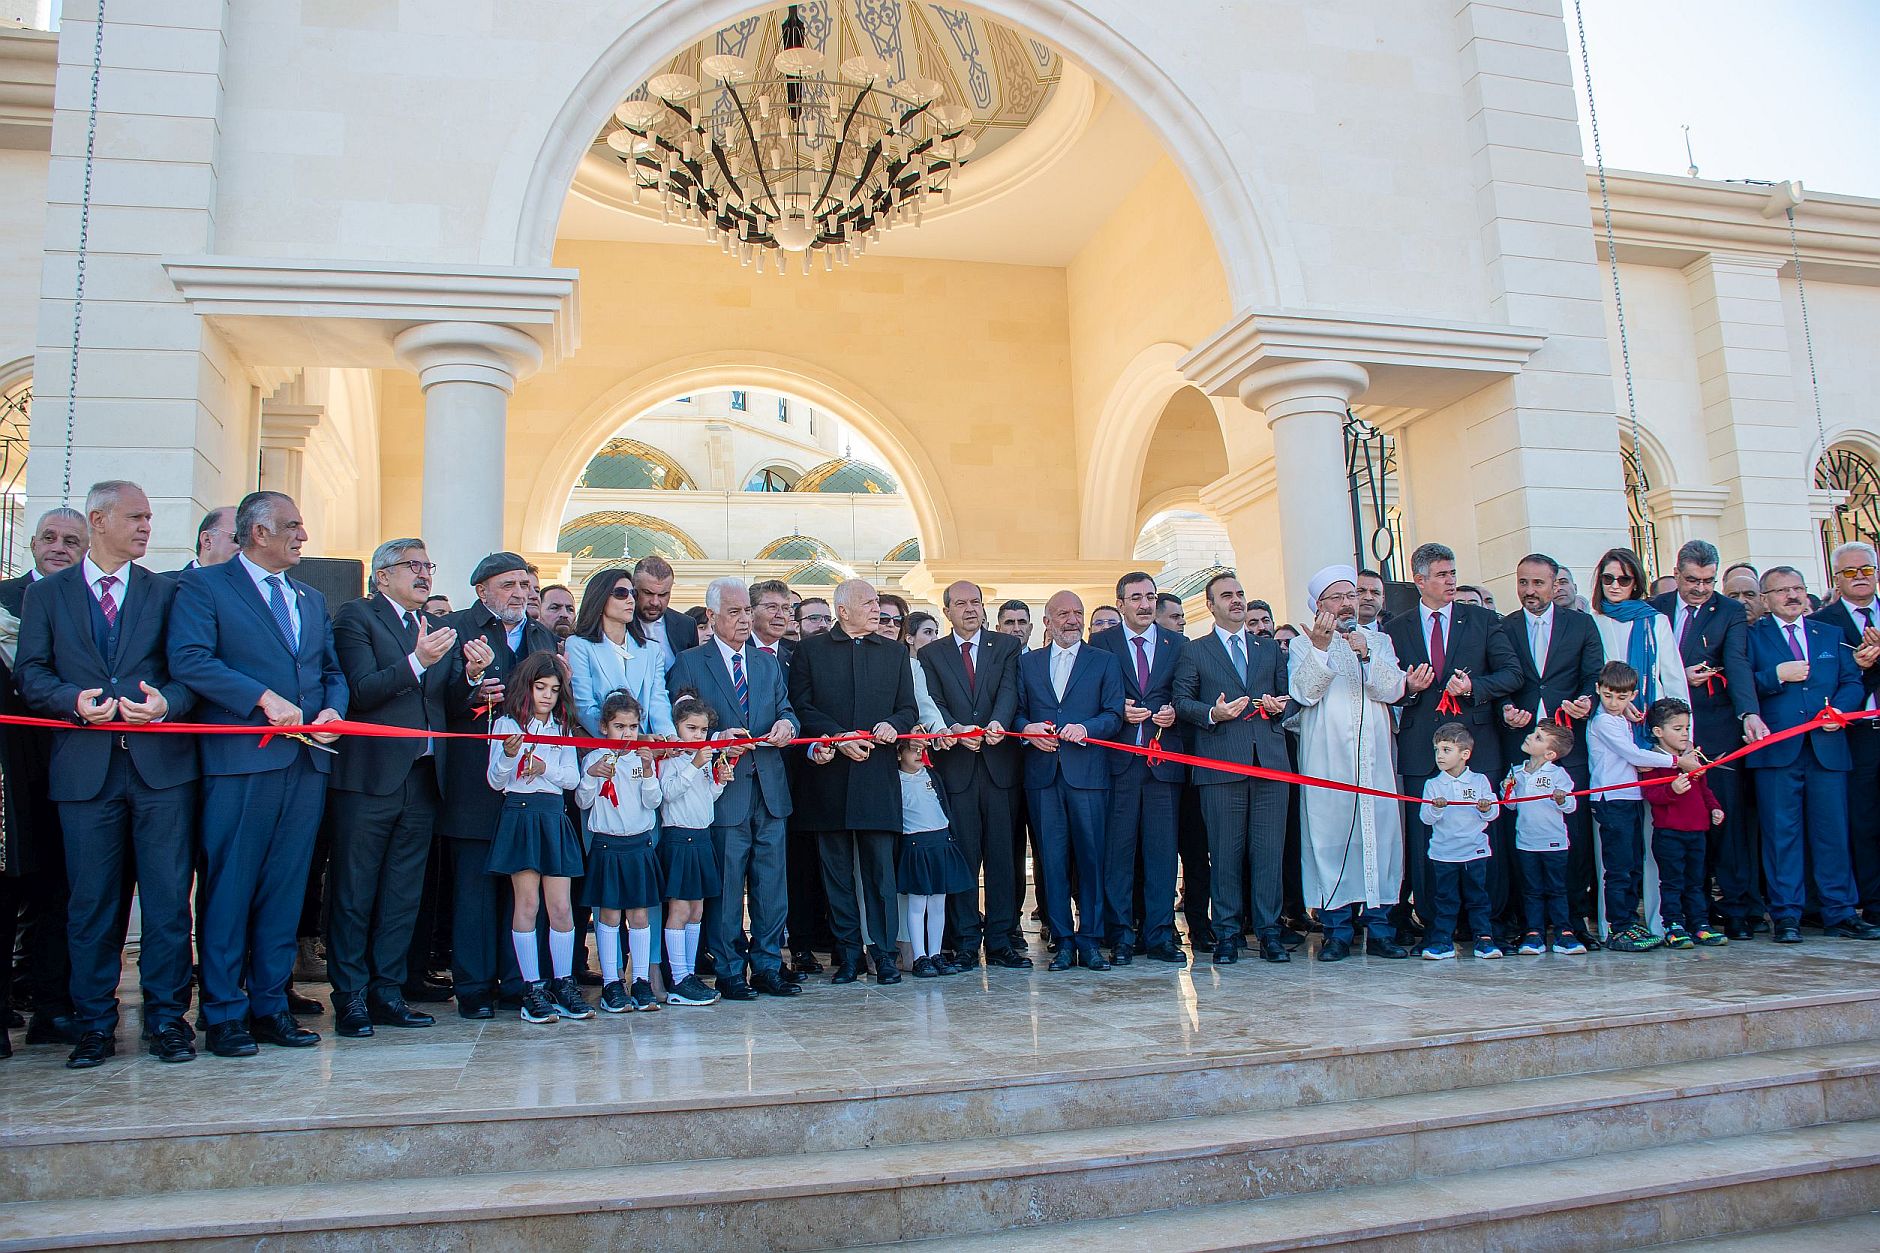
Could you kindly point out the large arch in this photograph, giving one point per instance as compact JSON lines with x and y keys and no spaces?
{"x":1255,"y":249}
{"x":713,"y":371}
{"x":1119,"y":447}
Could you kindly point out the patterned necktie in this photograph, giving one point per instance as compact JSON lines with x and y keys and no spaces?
{"x":277,"y":601}
{"x":1142,"y":684}
{"x":738,"y":685}
{"x":1240,"y":658}
{"x":1437,"y":655}
{"x":966,"y":659}
{"x":1795,"y":645}
{"x":1684,"y":636}
{"x":106,"y":602}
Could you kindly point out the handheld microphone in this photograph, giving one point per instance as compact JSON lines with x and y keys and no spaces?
{"x":1347,"y":625}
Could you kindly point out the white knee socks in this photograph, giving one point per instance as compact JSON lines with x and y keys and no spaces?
{"x":528,"y":957}
{"x":676,"y":955}
{"x":639,"y":948}
{"x":691,"y":945}
{"x":607,"y":940}
{"x":914,"y":926}
{"x":561,"y":951}
{"x":936,"y":922}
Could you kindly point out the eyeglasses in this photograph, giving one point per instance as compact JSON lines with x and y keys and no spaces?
{"x":891,"y":619}
{"x":622,"y":593}
{"x":1854,"y":572}
{"x":416,"y":567}
{"x":1616,"y":580}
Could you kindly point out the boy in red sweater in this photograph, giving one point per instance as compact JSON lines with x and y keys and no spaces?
{"x":1683,"y":810}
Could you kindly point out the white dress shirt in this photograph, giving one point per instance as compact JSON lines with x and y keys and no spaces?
{"x":1617,"y":757}
{"x":636,"y":790}
{"x":96,"y":574}
{"x":1541,"y":826}
{"x":262,"y":586}
{"x":690,"y":791}
{"x":726,"y":653}
{"x":563,"y":773}
{"x":1447,"y":614}
{"x":1458,"y":831}
{"x":920,"y":805}
{"x":655,"y":631}
{"x":1063,"y":661}
{"x":1540,"y":632}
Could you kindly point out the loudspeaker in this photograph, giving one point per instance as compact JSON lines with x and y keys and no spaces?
{"x":339,"y":579}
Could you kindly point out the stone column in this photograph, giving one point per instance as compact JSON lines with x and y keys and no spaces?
{"x":284,"y":432}
{"x":468,"y":371}
{"x":1304,"y":403}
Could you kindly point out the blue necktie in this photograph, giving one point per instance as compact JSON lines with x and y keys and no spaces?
{"x":738,"y":684}
{"x":277,"y":601}
{"x":1240,"y":658}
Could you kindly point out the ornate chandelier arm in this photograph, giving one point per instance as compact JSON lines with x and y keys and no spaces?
{"x":835,"y":158}
{"x":757,"y":155}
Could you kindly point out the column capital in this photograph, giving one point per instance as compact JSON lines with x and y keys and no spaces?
{"x":1281,"y":391}
{"x":288,"y":426}
{"x":467,"y":352}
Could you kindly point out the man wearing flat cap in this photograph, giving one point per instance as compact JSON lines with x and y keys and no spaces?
{"x":496,"y":635}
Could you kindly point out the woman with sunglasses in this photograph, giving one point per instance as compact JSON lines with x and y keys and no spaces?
{"x":1637,"y":634}
{"x":892,"y":624}
{"x":608,"y":652}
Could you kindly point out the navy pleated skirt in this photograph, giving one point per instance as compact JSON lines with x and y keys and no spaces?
{"x":535,"y":834}
{"x":690,"y":862}
{"x":623,"y":872}
{"x":930,"y":862}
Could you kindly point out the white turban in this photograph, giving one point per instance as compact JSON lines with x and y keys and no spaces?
{"x":1324,"y":579}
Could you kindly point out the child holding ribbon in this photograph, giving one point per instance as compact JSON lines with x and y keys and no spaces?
{"x":690,"y":781}
{"x":621,"y":793}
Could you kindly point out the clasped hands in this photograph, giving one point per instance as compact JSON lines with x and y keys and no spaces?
{"x":1418,"y":678}
{"x":94,"y":706}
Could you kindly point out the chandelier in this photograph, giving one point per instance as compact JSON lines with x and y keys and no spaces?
{"x":790,"y":158}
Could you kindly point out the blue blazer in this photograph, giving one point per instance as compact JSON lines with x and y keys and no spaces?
{"x":1833,"y":679}
{"x":1161,"y":691}
{"x":704,"y":668}
{"x":1093,"y":697}
{"x":595,"y":670}
{"x":225,"y":647}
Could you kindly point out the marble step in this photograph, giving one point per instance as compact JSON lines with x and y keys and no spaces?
{"x":858,"y":1196}
{"x":1625,"y":1200}
{"x":1858,"y":1233}
{"x":407,"y":1143}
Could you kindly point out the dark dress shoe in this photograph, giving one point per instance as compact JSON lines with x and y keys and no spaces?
{"x":1334,"y":950}
{"x":281,"y":1030}
{"x":1788,"y":933}
{"x":965,"y":959}
{"x":791,"y":976}
{"x":773,"y":983}
{"x":173,"y":1043}
{"x":1290,"y":938}
{"x":846,"y":972}
{"x":885,"y":973}
{"x":942,"y":966}
{"x":475,"y":1011}
{"x":49,"y":1028}
{"x":1853,"y":929}
{"x":1271,"y":950}
{"x":231,"y":1039}
{"x":350,"y":1017}
{"x":304,"y":1006}
{"x":1122,"y":955}
{"x":1225,"y":954}
{"x":427,"y":991}
{"x":1008,"y":959}
{"x":1201,"y":937}
{"x":388,"y":1009}
{"x":805,"y":963}
{"x":734,"y":988}
{"x":1588,"y":934}
{"x":924,"y":968}
{"x":1063,"y":959}
{"x":1015,"y":938}
{"x":1386,"y":948}
{"x":1092,"y":959}
{"x":1166,"y":952}
{"x":1737,"y":929}
{"x":94,"y":1048}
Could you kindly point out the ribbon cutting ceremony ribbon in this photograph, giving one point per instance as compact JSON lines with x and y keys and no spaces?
{"x":1449,"y":704}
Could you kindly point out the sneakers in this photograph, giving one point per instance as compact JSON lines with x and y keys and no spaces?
{"x":1488,"y":950}
{"x":537,"y":1005}
{"x":640,"y":995}
{"x":568,"y":999}
{"x":1440,"y":952}
{"x":1568,"y":943}
{"x":1677,"y":937}
{"x":1532,"y":946}
{"x":691,"y":991}
{"x":1710,"y":939}
{"x":614,"y":998}
{"x":1637,"y":938}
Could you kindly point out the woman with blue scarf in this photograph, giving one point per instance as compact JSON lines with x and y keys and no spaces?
{"x":1637,"y":634}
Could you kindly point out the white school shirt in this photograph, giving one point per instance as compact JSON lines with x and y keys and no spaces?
{"x":1541,"y":826}
{"x":637,"y":795}
{"x":1617,"y":757}
{"x":564,"y":768}
{"x":920,"y":804}
{"x":1458,"y":832}
{"x":691,"y":794}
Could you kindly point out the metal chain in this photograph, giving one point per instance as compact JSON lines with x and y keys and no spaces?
{"x":84,"y":241}
{"x":1808,"y":336}
{"x":1612,"y":251}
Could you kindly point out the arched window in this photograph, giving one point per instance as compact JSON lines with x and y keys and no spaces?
{"x":1856,"y":519}
{"x":612,"y":533}
{"x":847,"y":475}
{"x":771,"y":479}
{"x":628,"y":464}
{"x":906,"y":550}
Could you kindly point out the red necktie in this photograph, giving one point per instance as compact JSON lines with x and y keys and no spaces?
{"x":1437,"y":657}
{"x":966,"y":659}
{"x":105,"y":600}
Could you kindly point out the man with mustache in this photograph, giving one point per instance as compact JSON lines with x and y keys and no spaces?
{"x":385,"y":791}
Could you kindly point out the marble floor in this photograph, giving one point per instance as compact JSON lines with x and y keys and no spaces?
{"x":863,"y":1037}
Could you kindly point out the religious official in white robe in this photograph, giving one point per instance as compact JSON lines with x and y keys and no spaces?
{"x":1343,"y":679}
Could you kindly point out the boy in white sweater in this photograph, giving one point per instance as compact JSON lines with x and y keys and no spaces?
{"x":1458,"y":805}
{"x":1617,"y":757}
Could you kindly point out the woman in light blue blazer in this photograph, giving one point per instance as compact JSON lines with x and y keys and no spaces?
{"x":607,"y":653}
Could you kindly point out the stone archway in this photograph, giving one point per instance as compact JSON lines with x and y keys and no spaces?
{"x":821,"y":388}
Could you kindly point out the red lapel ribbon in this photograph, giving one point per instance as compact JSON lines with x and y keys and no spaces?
{"x":1449,"y":705}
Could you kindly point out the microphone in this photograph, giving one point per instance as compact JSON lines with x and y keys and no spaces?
{"x":1347,"y":625}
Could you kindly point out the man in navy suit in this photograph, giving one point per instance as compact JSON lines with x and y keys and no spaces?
{"x":1070,"y":692}
{"x":92,"y":649}
{"x":1856,"y":615}
{"x":255,"y":647}
{"x":1143,"y":797}
{"x":1801,"y":783}
{"x":745,"y":687}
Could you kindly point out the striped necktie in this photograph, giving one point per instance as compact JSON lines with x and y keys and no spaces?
{"x":738,"y":684}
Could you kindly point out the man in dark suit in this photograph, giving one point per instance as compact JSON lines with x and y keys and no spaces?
{"x":256,"y":648}
{"x":1713,"y":639}
{"x":850,"y":679}
{"x":1801,"y":668}
{"x":1245,"y":817}
{"x":1560,"y":655}
{"x":1070,"y":692}
{"x":972,"y":675}
{"x":32,"y":851}
{"x":1857,"y":616}
{"x":672,"y":630}
{"x":1454,"y":651}
{"x":93,"y":649}
{"x":773,"y":620}
{"x":385,"y":791}
{"x":215,"y":538}
{"x":745,"y":688}
{"x":1143,"y":796}
{"x":494,"y":635}
{"x":1191,"y":841}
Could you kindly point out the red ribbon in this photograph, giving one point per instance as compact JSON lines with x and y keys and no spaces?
{"x":608,"y":793}
{"x":1562,"y":718}
{"x":1711,"y":681}
{"x":1449,"y":705}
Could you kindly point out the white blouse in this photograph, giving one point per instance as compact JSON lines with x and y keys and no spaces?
{"x":636,"y":790}
{"x":690,"y":791}
{"x":564,"y":768}
{"x":1615,"y":635}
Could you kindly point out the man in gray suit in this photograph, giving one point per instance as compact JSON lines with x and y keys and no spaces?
{"x":744,"y":685}
{"x":1230,"y":686}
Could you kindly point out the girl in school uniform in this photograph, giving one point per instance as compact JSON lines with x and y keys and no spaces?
{"x":928,"y":863}
{"x":620,"y":793}
{"x":535,"y":845}
{"x":690,"y":782}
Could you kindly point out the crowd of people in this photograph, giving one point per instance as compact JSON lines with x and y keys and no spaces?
{"x":697,"y":849}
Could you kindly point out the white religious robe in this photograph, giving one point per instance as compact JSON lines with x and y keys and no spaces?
{"x":1351,"y":847}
